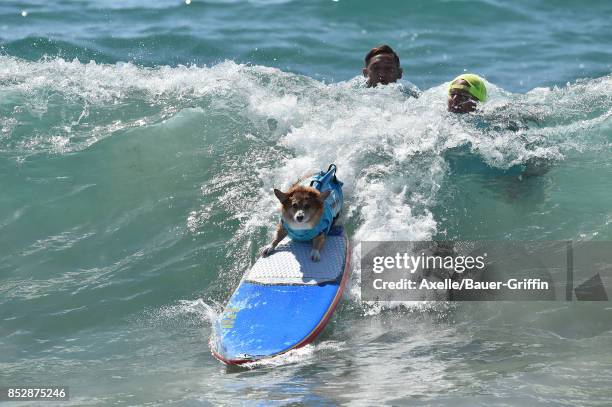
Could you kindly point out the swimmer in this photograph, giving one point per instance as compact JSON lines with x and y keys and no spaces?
{"x":382,"y":66}
{"x":465,"y":92}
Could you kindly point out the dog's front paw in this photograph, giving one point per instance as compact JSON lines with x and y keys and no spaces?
{"x":315,"y":255}
{"x":267,"y":250}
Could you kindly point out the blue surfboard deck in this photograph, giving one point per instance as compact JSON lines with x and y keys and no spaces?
{"x":272,"y":312}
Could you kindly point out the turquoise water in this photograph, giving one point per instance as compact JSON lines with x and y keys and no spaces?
{"x":139,"y":144}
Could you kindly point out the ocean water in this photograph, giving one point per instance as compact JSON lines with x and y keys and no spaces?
{"x":140,"y":141}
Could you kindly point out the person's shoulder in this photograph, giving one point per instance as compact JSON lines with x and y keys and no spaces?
{"x":409,"y":89}
{"x":357,"y":82}
{"x":511,"y":117}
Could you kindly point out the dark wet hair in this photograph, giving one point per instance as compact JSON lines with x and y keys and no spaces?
{"x":381,"y":49}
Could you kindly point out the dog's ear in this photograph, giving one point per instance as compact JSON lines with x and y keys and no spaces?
{"x":282,"y":197}
{"x":323,"y":195}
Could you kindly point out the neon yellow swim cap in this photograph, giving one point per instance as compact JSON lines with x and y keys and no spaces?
{"x":477,"y":86}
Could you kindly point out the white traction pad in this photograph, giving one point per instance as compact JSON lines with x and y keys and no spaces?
{"x":290,"y":263}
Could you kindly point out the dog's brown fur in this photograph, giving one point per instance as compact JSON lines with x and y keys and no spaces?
{"x":299,"y":201}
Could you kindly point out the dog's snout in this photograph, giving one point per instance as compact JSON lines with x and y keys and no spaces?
{"x":299,"y":216}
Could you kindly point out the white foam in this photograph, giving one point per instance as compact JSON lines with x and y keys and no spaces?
{"x":299,"y":355}
{"x":189,"y":312}
{"x":388,"y":148}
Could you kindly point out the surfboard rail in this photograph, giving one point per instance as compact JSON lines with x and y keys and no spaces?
{"x":310,"y":337}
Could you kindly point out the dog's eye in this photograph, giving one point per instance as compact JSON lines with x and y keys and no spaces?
{"x":306,"y":206}
{"x":294,"y":205}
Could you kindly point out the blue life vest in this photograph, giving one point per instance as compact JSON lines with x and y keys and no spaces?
{"x":322,"y":181}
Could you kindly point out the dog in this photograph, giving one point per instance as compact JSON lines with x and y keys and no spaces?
{"x":302,"y":210}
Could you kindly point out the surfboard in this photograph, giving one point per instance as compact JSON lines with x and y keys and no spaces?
{"x":283,"y":302}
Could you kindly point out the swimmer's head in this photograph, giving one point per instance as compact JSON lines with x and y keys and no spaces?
{"x":464,"y":92}
{"x":382,"y":66}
